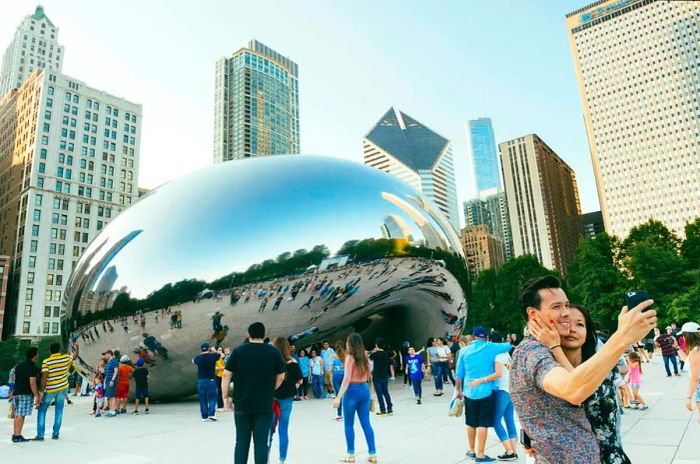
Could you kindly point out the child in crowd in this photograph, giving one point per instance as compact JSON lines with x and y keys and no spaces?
{"x":140,"y":376}
{"x":415,"y":367}
{"x":634,"y":378}
{"x":99,"y":394}
{"x":621,"y":382}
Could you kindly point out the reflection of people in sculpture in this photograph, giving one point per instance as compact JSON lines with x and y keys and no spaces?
{"x":308,"y":303}
{"x":155,"y":346}
{"x":220,"y":334}
{"x":278,"y":301}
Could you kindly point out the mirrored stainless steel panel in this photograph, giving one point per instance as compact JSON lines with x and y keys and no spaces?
{"x":314,"y":247}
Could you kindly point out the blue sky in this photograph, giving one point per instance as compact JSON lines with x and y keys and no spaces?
{"x":432,"y":59}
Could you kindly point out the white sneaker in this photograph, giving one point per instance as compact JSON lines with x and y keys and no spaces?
{"x":212,"y":418}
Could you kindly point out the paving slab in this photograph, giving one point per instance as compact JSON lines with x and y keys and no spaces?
{"x":174,"y":433}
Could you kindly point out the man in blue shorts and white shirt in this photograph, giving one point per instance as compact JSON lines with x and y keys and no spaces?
{"x":475,"y":375}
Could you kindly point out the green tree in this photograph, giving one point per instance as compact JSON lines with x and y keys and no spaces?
{"x":690,"y":249}
{"x":685,"y":306}
{"x":595,"y":281}
{"x":652,"y":233}
{"x":651,"y":256}
{"x":483,"y":300}
{"x":494,"y":301}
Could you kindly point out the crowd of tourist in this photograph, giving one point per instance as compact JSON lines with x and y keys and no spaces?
{"x":568,"y":383}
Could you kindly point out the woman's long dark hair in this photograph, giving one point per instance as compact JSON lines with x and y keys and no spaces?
{"x":356,"y":349}
{"x":589,"y":345}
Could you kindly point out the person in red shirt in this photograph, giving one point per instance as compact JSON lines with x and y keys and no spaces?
{"x":125,"y":371}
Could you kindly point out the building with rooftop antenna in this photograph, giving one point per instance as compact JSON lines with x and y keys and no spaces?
{"x":35,"y":45}
{"x":407,"y":149}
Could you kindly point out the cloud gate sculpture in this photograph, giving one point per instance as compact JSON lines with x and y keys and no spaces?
{"x":313,"y":247}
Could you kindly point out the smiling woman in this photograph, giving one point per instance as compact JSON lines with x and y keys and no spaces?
{"x":314,"y":247}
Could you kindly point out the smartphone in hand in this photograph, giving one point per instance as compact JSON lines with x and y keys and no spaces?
{"x":525,"y":439}
{"x":635,"y":297}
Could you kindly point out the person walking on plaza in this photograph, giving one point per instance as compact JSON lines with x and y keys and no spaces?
{"x":415,"y":367}
{"x":503,"y":406}
{"x":669,"y":350}
{"x":327,"y":354}
{"x":546,"y":396}
{"x":338,"y":374}
{"x":257,"y":370}
{"x":434,"y":365}
{"x":54,"y":385}
{"x":380,"y":377}
{"x":206,"y":381}
{"x":111,"y":380}
{"x":284,"y":395}
{"x":140,"y":376}
{"x":634,"y":378}
{"x":26,"y":393}
{"x":355,"y":394}
{"x":316,"y":366}
{"x":475,"y":375}
{"x":691,"y":335}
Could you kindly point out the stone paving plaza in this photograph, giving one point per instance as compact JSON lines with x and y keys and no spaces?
{"x":174,"y":433}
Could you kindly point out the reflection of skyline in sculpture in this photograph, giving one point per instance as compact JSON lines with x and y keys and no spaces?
{"x":261,"y":258}
{"x":395,"y":227}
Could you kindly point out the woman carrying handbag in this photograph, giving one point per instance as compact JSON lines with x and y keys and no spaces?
{"x":356,"y":396}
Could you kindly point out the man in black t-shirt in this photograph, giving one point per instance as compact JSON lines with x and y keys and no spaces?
{"x":25,"y":395}
{"x":380,"y":376}
{"x":206,"y":381}
{"x":257,"y":370}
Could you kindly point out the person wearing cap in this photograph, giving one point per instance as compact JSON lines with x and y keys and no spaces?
{"x":691,"y":335}
{"x":206,"y":381}
{"x":668,"y":344}
{"x":476,"y":373}
{"x":125,"y":371}
{"x":140,"y":376}
{"x":111,"y":380}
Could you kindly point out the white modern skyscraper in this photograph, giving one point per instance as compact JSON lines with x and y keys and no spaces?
{"x":69,"y":161}
{"x":35,"y":45}
{"x":637,"y":65}
{"x":256,"y":104}
{"x":405,"y":148}
{"x":483,"y":156}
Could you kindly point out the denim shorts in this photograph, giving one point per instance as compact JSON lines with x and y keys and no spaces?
{"x":697,"y":393}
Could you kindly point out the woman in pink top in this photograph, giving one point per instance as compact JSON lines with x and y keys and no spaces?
{"x":354,"y":391}
{"x":634,"y":377}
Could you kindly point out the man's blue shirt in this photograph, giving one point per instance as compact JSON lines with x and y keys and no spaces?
{"x":476,"y":361}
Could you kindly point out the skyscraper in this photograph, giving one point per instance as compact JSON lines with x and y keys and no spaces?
{"x":637,"y":65}
{"x":482,"y":249}
{"x":35,"y":45}
{"x":69,"y":160}
{"x":493,"y":212}
{"x":543,"y":202}
{"x":483,"y":157}
{"x":256,"y":104}
{"x":407,"y":149}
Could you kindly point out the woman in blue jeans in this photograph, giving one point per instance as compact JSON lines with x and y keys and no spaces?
{"x":503,"y":411}
{"x":285,"y":394}
{"x":354,"y":392}
{"x":338,"y":373}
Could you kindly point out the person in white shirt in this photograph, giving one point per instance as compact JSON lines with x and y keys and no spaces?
{"x":504,"y":406}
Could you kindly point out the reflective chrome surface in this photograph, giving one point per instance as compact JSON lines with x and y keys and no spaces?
{"x":313,"y":247}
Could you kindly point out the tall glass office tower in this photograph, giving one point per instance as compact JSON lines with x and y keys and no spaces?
{"x":256,"y":104}
{"x":483,"y":156}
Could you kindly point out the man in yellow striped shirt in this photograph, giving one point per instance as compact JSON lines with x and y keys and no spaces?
{"x":54,"y":386}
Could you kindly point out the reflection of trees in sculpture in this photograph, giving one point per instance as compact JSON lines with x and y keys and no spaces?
{"x":368,"y":249}
{"x":172,"y":294}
